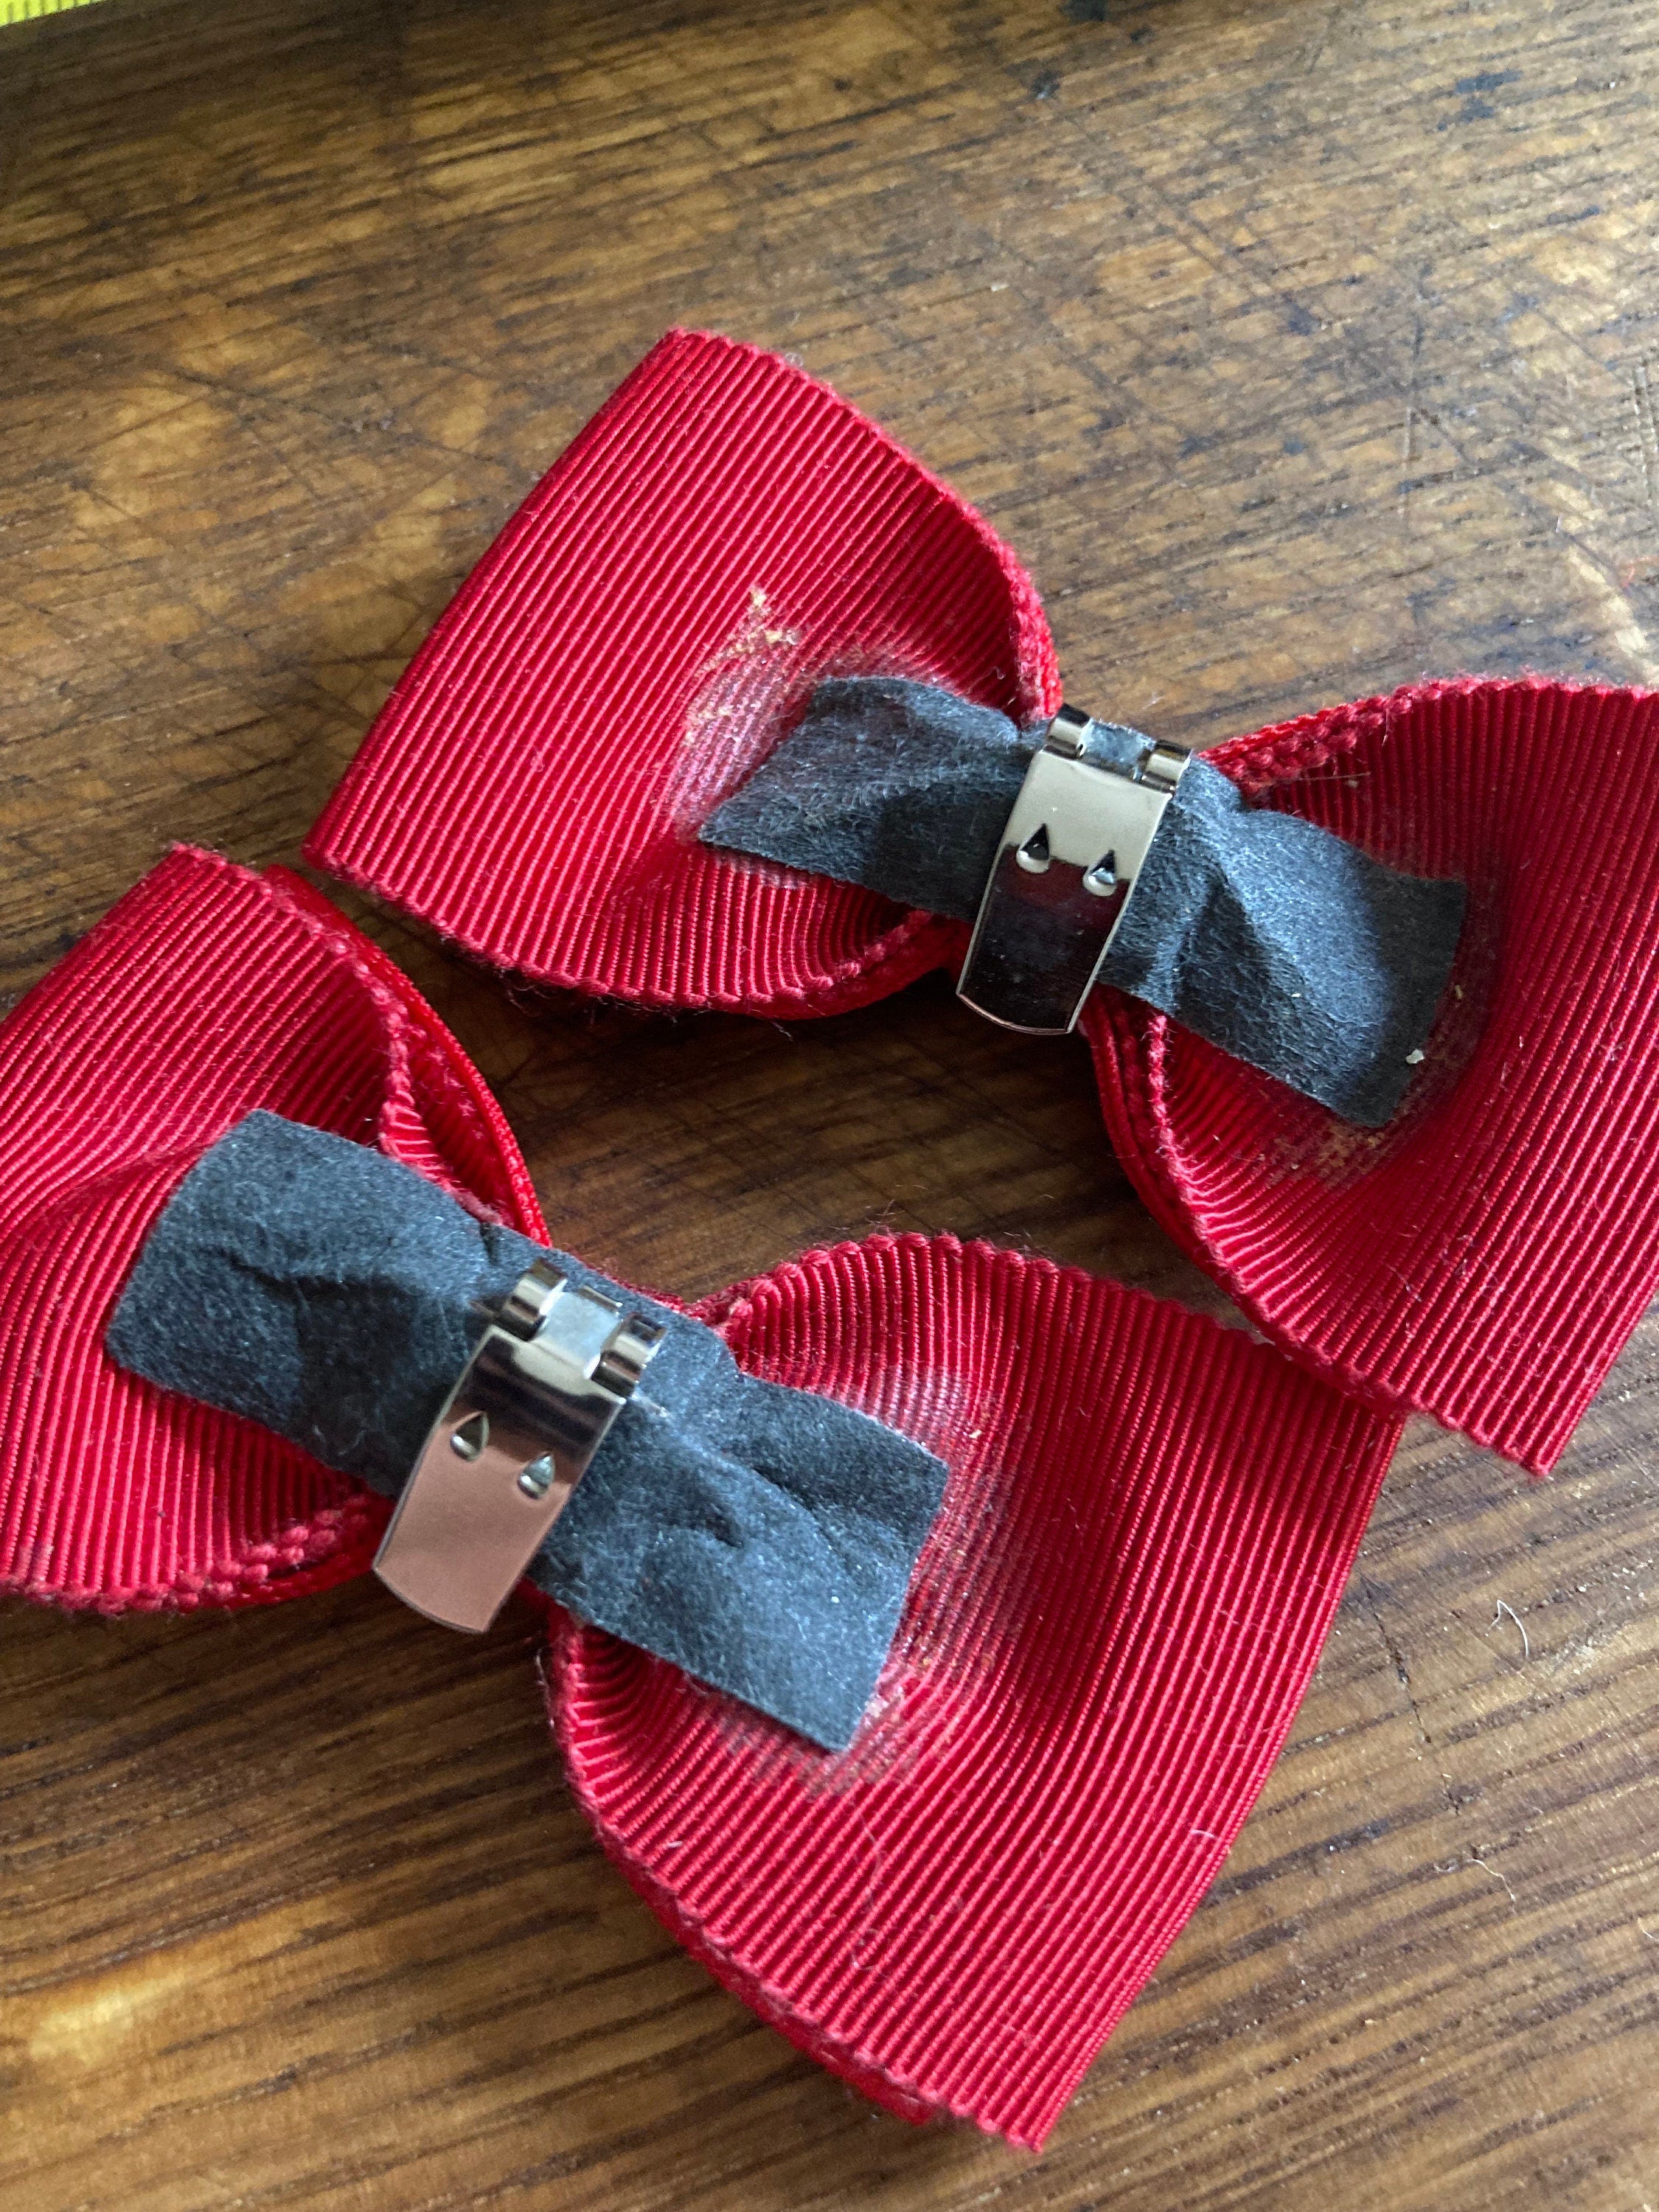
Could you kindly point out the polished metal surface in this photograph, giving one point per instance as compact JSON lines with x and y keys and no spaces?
{"x":1065,"y":871}
{"x":528,"y":1413}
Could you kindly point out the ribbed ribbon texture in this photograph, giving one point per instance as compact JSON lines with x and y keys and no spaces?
{"x":726,"y":532}
{"x":1148,"y":1523}
{"x":206,"y":993}
{"x":1485,"y":1256}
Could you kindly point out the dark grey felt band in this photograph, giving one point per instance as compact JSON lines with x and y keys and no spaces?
{"x":1285,"y":945}
{"x":761,"y":1538}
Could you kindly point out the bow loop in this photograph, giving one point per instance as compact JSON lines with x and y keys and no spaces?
{"x":1484,"y":1257}
{"x":207,"y":992}
{"x":1148,"y":1524}
{"x":725,"y":534}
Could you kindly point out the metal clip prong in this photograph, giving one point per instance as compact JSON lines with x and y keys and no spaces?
{"x":1064,"y":873}
{"x":532,"y":1406}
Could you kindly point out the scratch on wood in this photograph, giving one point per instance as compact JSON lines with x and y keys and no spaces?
{"x":1475,"y":1859}
{"x":1526,"y":1641}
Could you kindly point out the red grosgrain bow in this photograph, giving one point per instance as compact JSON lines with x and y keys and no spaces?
{"x":1148,"y":1524}
{"x":725,"y":534}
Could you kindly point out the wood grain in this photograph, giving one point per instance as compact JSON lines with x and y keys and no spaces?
{"x":1300,"y":346}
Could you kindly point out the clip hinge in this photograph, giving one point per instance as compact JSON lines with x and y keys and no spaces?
{"x":1066,"y":868}
{"x":532,"y":1406}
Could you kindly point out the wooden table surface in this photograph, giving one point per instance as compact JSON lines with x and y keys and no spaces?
{"x":1300,"y":346}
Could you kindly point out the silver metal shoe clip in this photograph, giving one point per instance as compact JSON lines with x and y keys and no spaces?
{"x":531,"y":1408}
{"x":1064,"y":874}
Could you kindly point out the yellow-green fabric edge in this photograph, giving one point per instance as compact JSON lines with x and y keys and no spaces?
{"x":25,"y":11}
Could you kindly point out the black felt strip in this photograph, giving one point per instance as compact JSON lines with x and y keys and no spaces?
{"x":1285,"y":945}
{"x":761,"y":1538}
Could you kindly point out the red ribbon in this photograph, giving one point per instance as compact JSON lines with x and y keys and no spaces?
{"x":1147,"y":1526}
{"x":207,"y":993}
{"x":726,"y":532}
